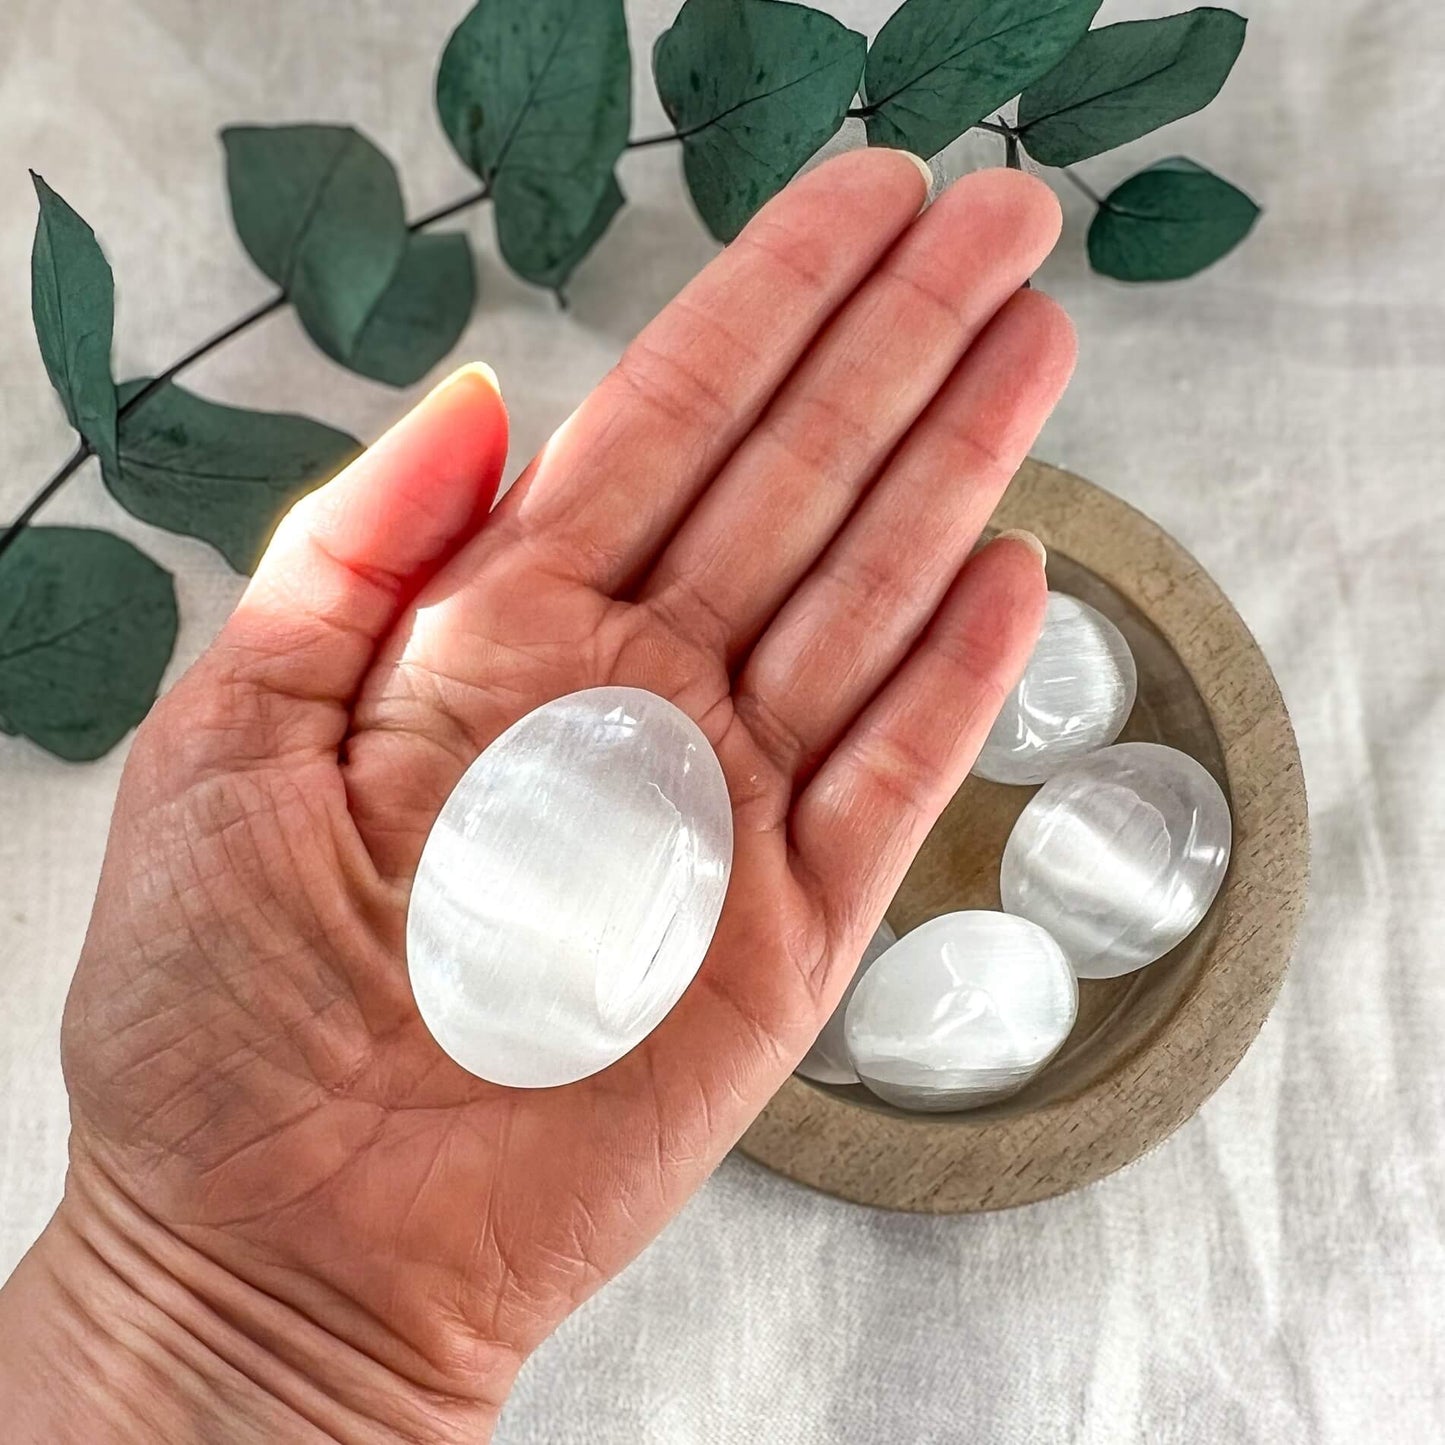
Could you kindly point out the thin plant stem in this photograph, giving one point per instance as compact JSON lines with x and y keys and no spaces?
{"x":243,"y":323}
{"x":72,"y":465}
{"x":862,"y":112}
{"x":452,"y":208}
{"x":1083,"y":185}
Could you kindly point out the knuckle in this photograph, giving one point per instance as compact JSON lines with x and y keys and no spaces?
{"x":795,"y":252}
{"x":827,"y":441}
{"x":920,"y":289}
{"x":665,"y":382}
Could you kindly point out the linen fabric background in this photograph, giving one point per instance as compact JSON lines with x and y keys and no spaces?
{"x":1276,"y":1271}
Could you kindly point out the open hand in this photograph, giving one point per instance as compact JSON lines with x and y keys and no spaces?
{"x":765,"y":513}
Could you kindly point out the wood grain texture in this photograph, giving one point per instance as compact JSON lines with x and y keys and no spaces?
{"x":1148,"y":1048}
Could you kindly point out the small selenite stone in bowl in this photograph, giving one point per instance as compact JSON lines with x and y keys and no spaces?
{"x":1150,"y":1046}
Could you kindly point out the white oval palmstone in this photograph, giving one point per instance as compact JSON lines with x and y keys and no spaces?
{"x":827,"y":1061}
{"x":963,"y":1011}
{"x":1119,"y":856}
{"x":570,"y":888}
{"x":1074,"y":697}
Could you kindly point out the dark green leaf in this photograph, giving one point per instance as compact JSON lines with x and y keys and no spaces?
{"x":420,"y":315}
{"x":72,"y":297}
{"x":1168,"y":222}
{"x":754,"y":87}
{"x":216,"y":472}
{"x":319,"y":209}
{"x":612,"y":201}
{"x":1122,"y":81}
{"x":537,"y":99}
{"x":87,"y":625}
{"x":940,"y":66}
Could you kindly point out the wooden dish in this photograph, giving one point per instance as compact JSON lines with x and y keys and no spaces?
{"x":1150,"y":1047}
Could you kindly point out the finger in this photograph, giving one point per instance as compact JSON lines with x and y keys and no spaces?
{"x":854,"y":618}
{"x":612,"y":484}
{"x":859,"y":823}
{"x":347,"y":558}
{"x":793,"y":482}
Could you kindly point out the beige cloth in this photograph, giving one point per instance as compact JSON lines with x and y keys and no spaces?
{"x":1276,"y":1272}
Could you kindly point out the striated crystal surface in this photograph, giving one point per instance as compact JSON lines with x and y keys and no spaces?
{"x":963,"y":1011}
{"x":570,"y":888}
{"x":1119,"y":856}
{"x":827,"y":1061}
{"x":1074,"y":697}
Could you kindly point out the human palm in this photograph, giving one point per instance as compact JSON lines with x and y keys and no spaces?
{"x":763,"y":514}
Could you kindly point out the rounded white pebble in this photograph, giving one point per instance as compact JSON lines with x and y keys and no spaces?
{"x":963,"y":1011}
{"x":1074,"y":697}
{"x":827,"y":1061}
{"x":1119,"y":856}
{"x":570,"y":888}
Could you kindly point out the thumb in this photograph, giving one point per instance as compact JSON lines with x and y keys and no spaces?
{"x":348,"y":558}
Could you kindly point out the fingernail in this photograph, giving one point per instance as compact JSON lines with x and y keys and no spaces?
{"x":472,"y":368}
{"x":927,"y":171}
{"x":1017,"y":534}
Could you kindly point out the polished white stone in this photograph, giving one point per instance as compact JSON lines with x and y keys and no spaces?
{"x":1119,"y":856}
{"x":963,"y":1011}
{"x":827,"y":1061}
{"x":1074,"y":697}
{"x":570,"y":888}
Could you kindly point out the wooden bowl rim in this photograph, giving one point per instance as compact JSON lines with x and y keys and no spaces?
{"x":955,"y":1164}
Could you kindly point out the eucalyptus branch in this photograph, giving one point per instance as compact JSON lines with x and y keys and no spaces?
{"x":241,"y":324}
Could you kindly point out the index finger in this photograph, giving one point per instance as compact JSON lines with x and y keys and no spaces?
{"x":612,"y":485}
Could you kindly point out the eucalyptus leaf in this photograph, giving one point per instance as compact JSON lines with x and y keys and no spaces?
{"x":1122,"y":81}
{"x":940,"y":66}
{"x":556,"y":276}
{"x":1168,"y":222}
{"x":87,"y":625}
{"x":217,"y":472}
{"x":319,"y":210}
{"x":754,"y":87}
{"x":537,"y":100}
{"x":72,"y":299}
{"x":418,"y":317}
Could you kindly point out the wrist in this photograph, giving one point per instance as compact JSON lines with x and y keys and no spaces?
{"x":112,"y":1329}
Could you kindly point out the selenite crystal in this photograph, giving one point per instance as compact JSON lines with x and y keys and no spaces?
{"x":1119,"y":856}
{"x":963,"y":1011}
{"x":1074,"y":697}
{"x":570,"y":888}
{"x":827,"y":1061}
